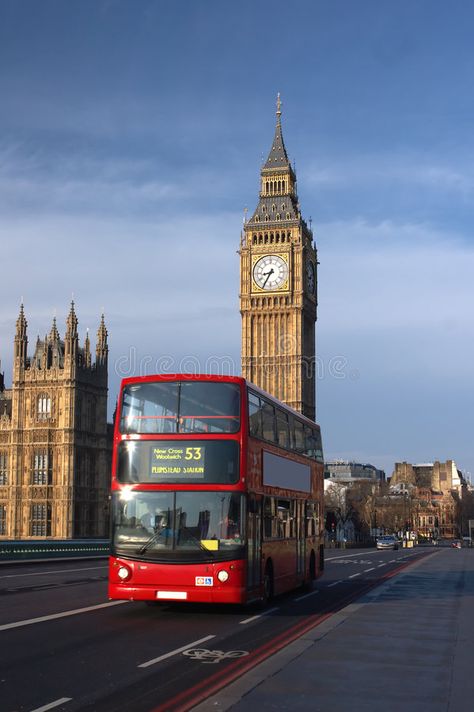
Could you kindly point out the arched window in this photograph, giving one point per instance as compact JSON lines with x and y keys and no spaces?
{"x":40,"y":520}
{"x":3,"y":468}
{"x":44,"y":407}
{"x":42,"y":467}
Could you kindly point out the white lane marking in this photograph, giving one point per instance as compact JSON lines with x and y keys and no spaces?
{"x":61,"y":571}
{"x":380,"y":565}
{"x":53,"y":616}
{"x":367,"y":570}
{"x":345,"y":556}
{"x":335,"y":583}
{"x":260,"y":615}
{"x":51,"y":705}
{"x":175,"y":652}
{"x":353,"y":575}
{"x":306,"y":595}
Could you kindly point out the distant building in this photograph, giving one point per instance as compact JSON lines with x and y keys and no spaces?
{"x":436,"y":491}
{"x":346,"y":471}
{"x":54,"y":445}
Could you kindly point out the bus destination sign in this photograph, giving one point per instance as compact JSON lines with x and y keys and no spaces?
{"x":176,"y":461}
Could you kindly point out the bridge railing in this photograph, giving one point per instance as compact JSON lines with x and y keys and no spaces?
{"x":53,"y":549}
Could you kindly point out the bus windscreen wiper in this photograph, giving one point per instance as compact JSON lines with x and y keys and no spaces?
{"x":198,"y":541}
{"x":152,"y":540}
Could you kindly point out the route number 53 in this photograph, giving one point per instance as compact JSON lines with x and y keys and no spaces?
{"x":193,"y":453}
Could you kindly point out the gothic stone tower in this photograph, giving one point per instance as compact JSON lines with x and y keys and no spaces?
{"x":278,"y":287}
{"x":54,"y":454}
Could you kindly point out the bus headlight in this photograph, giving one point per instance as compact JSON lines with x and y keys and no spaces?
{"x":124,"y":573}
{"x":222,"y":576}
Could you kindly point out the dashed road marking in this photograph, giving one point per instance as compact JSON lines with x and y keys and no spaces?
{"x":175,"y":652}
{"x":60,"y":571}
{"x":259,"y":615}
{"x":54,"y":616}
{"x":52,"y":705}
{"x":306,"y":595}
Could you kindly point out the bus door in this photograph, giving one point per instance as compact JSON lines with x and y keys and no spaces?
{"x":300,"y":538}
{"x":254,"y":541}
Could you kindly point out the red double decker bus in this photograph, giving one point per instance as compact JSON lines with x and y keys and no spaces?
{"x":217,"y":492}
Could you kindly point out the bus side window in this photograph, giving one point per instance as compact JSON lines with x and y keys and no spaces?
{"x":318,"y":446}
{"x":268,"y":419}
{"x":284,"y":519}
{"x":310,"y":445}
{"x":283,"y":433}
{"x":299,"y":435}
{"x":255,"y":416}
{"x":268,"y":518}
{"x":311,"y":519}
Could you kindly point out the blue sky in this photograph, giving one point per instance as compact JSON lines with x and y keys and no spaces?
{"x":131,"y":139}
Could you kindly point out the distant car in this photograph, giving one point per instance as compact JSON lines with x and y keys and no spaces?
{"x":389,"y":541}
{"x":455,"y":545}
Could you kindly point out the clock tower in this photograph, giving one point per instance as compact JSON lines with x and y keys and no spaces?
{"x":278,"y":287}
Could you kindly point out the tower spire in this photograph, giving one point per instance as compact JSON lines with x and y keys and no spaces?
{"x":102,"y":349}
{"x":71,"y":339}
{"x":54,"y":334}
{"x":21,"y":339}
{"x":277,"y":158}
{"x":87,"y":350}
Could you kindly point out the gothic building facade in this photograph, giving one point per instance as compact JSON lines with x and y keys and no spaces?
{"x":278,"y":287}
{"x":436,"y":492}
{"x":54,"y":452}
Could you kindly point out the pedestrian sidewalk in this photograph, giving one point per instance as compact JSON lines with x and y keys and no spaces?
{"x":407,"y":646}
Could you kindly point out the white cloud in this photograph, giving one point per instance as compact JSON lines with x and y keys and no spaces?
{"x":391,"y":275}
{"x":454,"y":175}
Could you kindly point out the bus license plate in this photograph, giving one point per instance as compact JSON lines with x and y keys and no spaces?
{"x":204,"y":581}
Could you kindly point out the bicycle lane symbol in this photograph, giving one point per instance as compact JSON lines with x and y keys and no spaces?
{"x":213,"y":657}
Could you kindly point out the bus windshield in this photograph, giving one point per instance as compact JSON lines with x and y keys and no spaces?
{"x":180,"y":407}
{"x":170,"y":526}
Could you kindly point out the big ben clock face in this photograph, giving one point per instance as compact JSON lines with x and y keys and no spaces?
{"x":271,"y":273}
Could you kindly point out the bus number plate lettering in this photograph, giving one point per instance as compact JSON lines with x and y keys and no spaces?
{"x":204,"y":581}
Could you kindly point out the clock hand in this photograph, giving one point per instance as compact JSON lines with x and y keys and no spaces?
{"x":267,"y":275}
